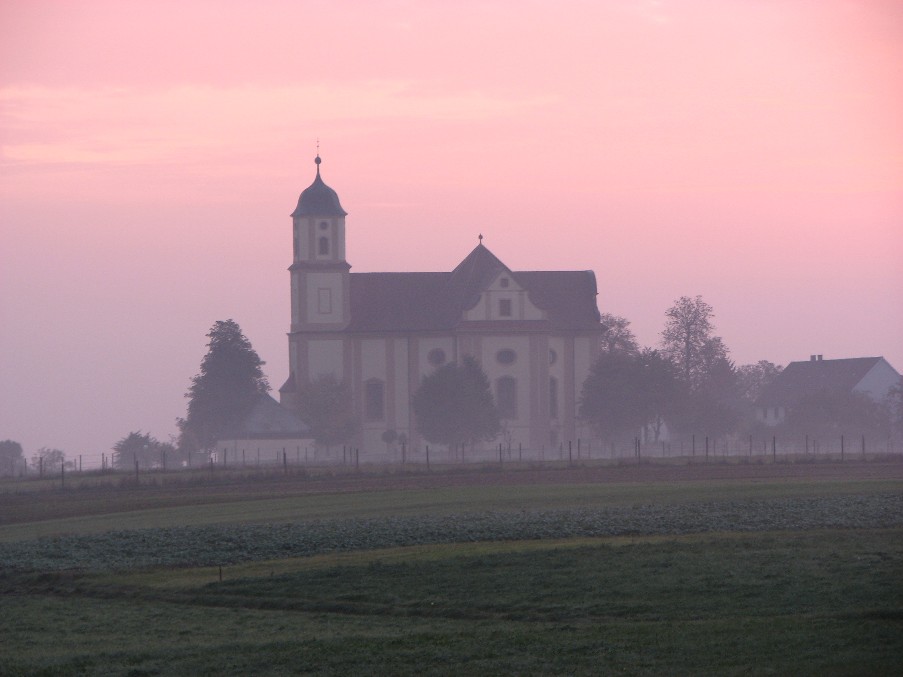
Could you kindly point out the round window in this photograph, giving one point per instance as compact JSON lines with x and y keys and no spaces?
{"x":323,"y":225}
{"x":506,"y":356}
{"x":553,"y":357}
{"x":436,"y":357}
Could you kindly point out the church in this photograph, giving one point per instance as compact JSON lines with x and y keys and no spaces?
{"x":535,"y":333}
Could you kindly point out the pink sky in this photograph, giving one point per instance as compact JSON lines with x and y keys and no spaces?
{"x":150,"y":153}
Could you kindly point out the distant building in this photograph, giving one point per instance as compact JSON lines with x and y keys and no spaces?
{"x":536,"y":333}
{"x":266,"y":433}
{"x":872,"y":376}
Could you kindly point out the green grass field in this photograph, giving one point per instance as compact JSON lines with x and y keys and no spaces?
{"x":719,"y":577}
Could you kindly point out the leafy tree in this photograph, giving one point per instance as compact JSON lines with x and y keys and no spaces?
{"x":454,"y":405}
{"x":388,"y":437}
{"x":48,"y":459}
{"x":714,"y":407}
{"x":688,"y":339}
{"x":830,"y":414}
{"x":616,"y":335}
{"x":11,"y":457}
{"x":752,"y":379}
{"x":145,"y":449}
{"x":625,"y":393}
{"x":225,"y":390}
{"x":325,"y":405}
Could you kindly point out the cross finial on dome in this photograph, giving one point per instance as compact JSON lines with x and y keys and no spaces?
{"x":317,"y":159}
{"x":480,"y":238}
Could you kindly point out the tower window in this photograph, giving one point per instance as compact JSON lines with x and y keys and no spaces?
{"x":505,"y":307}
{"x":506,"y":397}
{"x":375,"y":404}
{"x":324,"y":300}
{"x":324,"y":225}
{"x":323,"y":246}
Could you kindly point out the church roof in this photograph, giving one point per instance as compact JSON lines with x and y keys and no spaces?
{"x":803,"y":379}
{"x":318,"y":199}
{"x":436,"y":301}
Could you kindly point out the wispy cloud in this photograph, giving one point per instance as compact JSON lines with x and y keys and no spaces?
{"x":125,"y":125}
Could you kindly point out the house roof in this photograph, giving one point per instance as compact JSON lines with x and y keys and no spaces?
{"x":270,"y":420}
{"x":802,"y":379}
{"x":318,"y":199}
{"x":436,"y":301}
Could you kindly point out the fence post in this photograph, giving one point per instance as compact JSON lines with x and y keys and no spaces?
{"x":63,"y":475}
{"x":136,"y":471}
{"x":284,"y":462}
{"x":520,"y":452}
{"x":427,"y":457}
{"x":357,"y":459}
{"x":863,"y":446}
{"x":841,"y":448}
{"x":774,"y":449}
{"x":694,"y":444}
{"x":706,"y":447}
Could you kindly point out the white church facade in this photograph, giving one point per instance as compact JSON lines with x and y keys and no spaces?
{"x":535,"y":333}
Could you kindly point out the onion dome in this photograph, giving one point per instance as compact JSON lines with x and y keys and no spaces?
{"x":318,"y":199}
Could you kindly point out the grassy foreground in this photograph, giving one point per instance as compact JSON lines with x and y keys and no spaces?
{"x":795,"y":579}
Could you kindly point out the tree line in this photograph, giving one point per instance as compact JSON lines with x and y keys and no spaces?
{"x":689,"y":385}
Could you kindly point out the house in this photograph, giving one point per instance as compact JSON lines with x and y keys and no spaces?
{"x":872,"y":376}
{"x":269,"y":434}
{"x":535,"y":333}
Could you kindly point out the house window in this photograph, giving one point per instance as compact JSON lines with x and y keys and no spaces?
{"x":436,"y":357}
{"x":324,"y":301}
{"x":505,"y":307}
{"x":553,"y":356}
{"x":375,"y":404}
{"x":503,"y":283}
{"x":323,"y":246}
{"x":553,"y":397}
{"x":506,"y":397}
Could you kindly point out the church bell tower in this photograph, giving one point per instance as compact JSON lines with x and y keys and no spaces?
{"x":320,"y":286}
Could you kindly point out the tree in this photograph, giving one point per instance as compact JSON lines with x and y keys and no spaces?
{"x":388,"y":437}
{"x":142,"y":448}
{"x":616,"y":335}
{"x":688,"y":339}
{"x":831,"y":414}
{"x":626,"y":393}
{"x":47,"y":459}
{"x":11,"y":457}
{"x":225,"y":390}
{"x":454,"y":405}
{"x":325,"y":405}
{"x":752,"y":379}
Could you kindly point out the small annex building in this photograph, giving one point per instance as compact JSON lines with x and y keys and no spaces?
{"x":270,"y":433}
{"x":872,"y":376}
{"x":535,"y":333}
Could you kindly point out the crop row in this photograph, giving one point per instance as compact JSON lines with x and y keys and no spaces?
{"x":230,"y":544}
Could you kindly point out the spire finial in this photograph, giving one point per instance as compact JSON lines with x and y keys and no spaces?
{"x":480,"y":238}
{"x":317,"y":159}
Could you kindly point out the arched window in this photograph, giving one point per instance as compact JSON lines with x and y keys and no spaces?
{"x":375,"y":400}
{"x":553,"y":397}
{"x":323,"y":246}
{"x":506,"y":396}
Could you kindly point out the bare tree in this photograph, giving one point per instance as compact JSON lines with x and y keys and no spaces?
{"x":616,"y":335}
{"x":688,"y":339}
